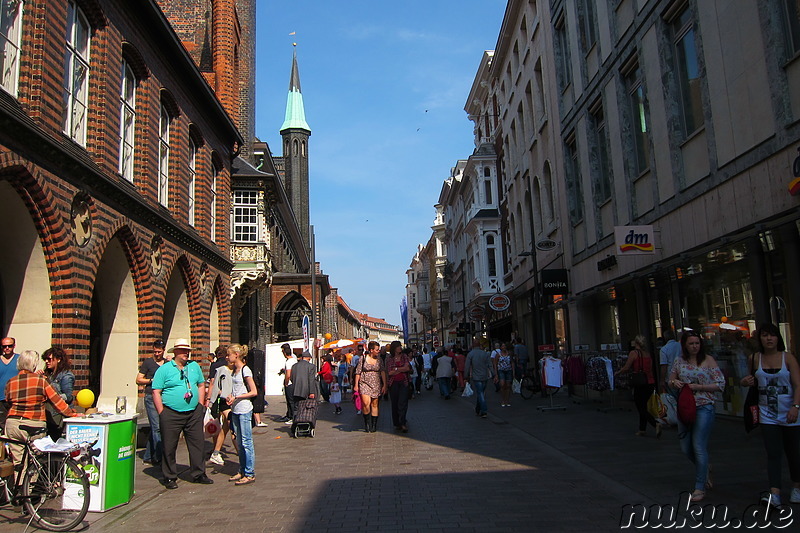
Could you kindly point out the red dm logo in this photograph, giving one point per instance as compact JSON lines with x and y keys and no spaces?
{"x":794,"y":185}
{"x":636,"y":241}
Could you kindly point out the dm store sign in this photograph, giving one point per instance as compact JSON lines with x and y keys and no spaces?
{"x":634,"y":240}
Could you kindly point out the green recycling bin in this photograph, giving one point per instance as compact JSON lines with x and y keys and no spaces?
{"x":112,"y":465}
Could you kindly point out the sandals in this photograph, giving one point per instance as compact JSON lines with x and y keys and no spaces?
{"x":237,"y":477}
{"x":245,"y":480}
{"x":698,"y":495}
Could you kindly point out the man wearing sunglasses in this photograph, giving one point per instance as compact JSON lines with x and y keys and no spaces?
{"x":8,"y":369}
{"x":179,"y":396}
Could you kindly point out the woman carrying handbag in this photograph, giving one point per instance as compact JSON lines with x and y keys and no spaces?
{"x":698,"y":372}
{"x":776,"y":373}
{"x":644,"y":383}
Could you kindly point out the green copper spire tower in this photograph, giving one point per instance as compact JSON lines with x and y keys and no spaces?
{"x":295,"y":133}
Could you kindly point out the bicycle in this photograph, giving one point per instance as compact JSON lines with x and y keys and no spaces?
{"x":51,"y":486}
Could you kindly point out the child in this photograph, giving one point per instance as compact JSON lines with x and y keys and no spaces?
{"x":336,"y":396}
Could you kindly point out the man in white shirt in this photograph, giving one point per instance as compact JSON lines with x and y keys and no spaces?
{"x":288,"y":386}
{"x":669,"y":352}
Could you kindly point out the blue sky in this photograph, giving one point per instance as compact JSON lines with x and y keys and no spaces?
{"x":384,"y":86}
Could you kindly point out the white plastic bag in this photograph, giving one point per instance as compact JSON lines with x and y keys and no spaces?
{"x":211,"y":425}
{"x":516,"y":386}
{"x":467,"y":391}
{"x":672,"y":408}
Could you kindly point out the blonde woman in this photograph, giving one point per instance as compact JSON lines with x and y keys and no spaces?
{"x":241,"y":417}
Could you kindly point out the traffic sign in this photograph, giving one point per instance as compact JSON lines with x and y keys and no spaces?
{"x":477,"y":313}
{"x":499,"y":302}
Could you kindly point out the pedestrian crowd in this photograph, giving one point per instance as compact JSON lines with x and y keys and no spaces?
{"x":37,"y":393}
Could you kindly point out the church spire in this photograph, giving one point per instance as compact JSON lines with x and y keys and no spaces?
{"x":295,"y":112}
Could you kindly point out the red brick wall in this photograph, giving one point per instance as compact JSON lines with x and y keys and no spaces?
{"x":48,"y":170}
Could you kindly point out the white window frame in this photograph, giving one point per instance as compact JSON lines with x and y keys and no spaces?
{"x":10,"y":35}
{"x":164,"y":124}
{"x":245,"y":216}
{"x":127,"y":121}
{"x":192,"y":180}
{"x":76,"y":74}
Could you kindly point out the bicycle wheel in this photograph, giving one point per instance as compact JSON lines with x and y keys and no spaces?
{"x":56,"y":493}
{"x":527,"y":387}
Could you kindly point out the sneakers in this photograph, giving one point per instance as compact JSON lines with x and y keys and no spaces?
{"x":795,"y":496}
{"x":283,"y":419}
{"x":216,"y":458}
{"x":288,"y":422}
{"x":262,"y":425}
{"x":772,"y":499}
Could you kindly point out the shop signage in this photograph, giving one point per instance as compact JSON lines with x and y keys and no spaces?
{"x":608,"y":262}
{"x":499,"y":302}
{"x":794,"y":185}
{"x":546,"y":244}
{"x":306,"y":332}
{"x":477,"y":313}
{"x":555,"y":281}
{"x":581,"y":347}
{"x":634,"y":240}
{"x":547,"y":347}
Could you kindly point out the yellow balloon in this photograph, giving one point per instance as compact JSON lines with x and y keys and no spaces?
{"x":85,"y":398}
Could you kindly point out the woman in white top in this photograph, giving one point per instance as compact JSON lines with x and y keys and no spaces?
{"x":241,"y":415}
{"x":777,"y":375}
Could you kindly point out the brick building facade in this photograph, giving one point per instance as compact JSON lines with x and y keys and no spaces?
{"x":115,"y":161}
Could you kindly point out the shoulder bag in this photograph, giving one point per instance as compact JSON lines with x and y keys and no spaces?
{"x":750,"y":410}
{"x":687,"y":408}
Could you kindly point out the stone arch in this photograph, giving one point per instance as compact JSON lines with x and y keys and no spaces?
{"x":288,"y":316}
{"x":37,"y":234}
{"x":181,"y":302}
{"x":115,"y":320}
{"x":219,"y":295}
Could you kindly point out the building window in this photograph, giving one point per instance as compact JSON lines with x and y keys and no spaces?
{"x":603,"y":183}
{"x":491,"y":256}
{"x":163,"y":156}
{"x":639,"y":129}
{"x":76,"y":74}
{"x":563,"y":61}
{"x":10,"y":24}
{"x":213,"y":206}
{"x":245,"y":216}
{"x":792,"y":26}
{"x":127,"y":121}
{"x":192,"y":179}
{"x":574,"y":188}
{"x":587,"y":25}
{"x":487,"y":188}
{"x":688,"y":72}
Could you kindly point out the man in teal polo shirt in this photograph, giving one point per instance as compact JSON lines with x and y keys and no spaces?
{"x":179,"y":399}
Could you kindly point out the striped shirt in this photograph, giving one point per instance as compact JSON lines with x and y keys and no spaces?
{"x":27,"y":393}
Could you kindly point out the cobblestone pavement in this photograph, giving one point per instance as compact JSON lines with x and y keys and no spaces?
{"x":521,"y":469}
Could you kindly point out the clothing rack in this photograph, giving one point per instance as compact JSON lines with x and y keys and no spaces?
{"x":543,"y":373}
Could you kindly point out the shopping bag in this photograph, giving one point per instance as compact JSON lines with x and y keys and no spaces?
{"x":357,"y":401}
{"x":671,"y":405}
{"x":516,"y":386}
{"x":467,"y":391}
{"x":751,"y":410}
{"x":211,"y":425}
{"x":655,"y":406}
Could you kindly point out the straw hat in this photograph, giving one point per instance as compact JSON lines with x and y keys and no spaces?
{"x":181,"y":344}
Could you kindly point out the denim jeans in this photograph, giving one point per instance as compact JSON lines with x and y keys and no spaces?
{"x":444,"y":386}
{"x":479,"y":388}
{"x":694,"y":442}
{"x":242,"y":425}
{"x":152,"y":452}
